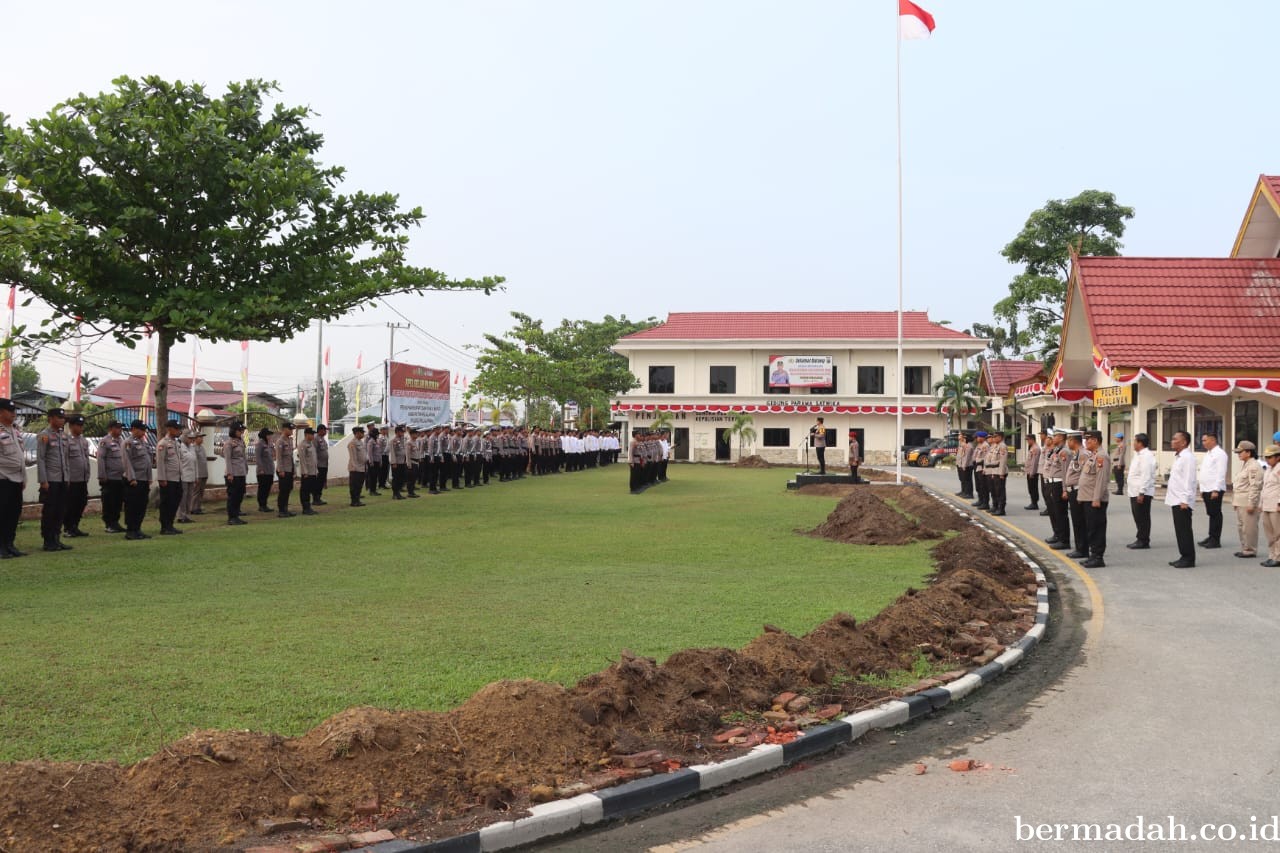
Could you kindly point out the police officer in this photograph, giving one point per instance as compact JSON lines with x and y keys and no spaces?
{"x":322,"y":463}
{"x":169,"y":476}
{"x":1093,"y":495}
{"x":398,"y":459}
{"x":357,"y":464}
{"x":635,"y":457}
{"x":384,"y":469}
{"x":373,"y":453}
{"x":111,"y":479}
{"x":413,"y":446}
{"x":285,"y":469}
{"x":235,"y":453}
{"x":195,"y":505}
{"x":51,"y":468}
{"x":1080,"y":458}
{"x":13,"y":477}
{"x":138,"y":461}
{"x":997,"y":468}
{"x":308,"y":470}
{"x":1053,"y":461}
{"x":77,"y":477}
{"x":980,"y":482}
{"x":265,"y":464}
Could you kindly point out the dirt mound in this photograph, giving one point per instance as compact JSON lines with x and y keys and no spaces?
{"x":827,"y":490}
{"x":431,"y":775}
{"x":752,"y":462}
{"x":888,"y":515}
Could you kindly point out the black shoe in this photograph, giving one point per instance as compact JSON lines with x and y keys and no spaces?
{"x":138,"y":535}
{"x":998,"y":512}
{"x":236,"y":520}
{"x":309,"y":511}
{"x":76,"y":534}
{"x":434,"y":492}
{"x":1078,"y":555}
{"x":1093,"y":563}
{"x":197,"y":512}
{"x":1032,"y":506}
{"x":1243,"y":554}
{"x":1052,"y":540}
{"x":285,"y":514}
{"x":318,"y":502}
{"x":1044,"y":512}
{"x":170,"y":531}
{"x":56,"y":546}
{"x":1137,"y":546}
{"x":264,"y":509}
{"x":12,"y":551}
{"x":1182,"y":564}
{"x":1270,"y":564}
{"x":415,"y":495}
{"x":1204,"y":541}
{"x":115,"y":530}
{"x":397,"y":497}
{"x":1211,"y":543}
{"x":961,"y":495}
{"x":184,"y":520}
{"x":359,"y":503}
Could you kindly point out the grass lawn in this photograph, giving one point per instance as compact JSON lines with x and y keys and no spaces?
{"x":116,"y":647}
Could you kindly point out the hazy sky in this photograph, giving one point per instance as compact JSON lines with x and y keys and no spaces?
{"x":639,"y":158}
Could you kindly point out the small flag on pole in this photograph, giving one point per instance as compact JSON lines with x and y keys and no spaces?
{"x":191,"y":405}
{"x":913,"y":22}
{"x":244,"y":379}
{"x":326,"y":387}
{"x":359,"y":363}
{"x":6,"y":370}
{"x":146,"y":386}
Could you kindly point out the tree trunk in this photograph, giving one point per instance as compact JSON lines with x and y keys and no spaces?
{"x":162,"y":380}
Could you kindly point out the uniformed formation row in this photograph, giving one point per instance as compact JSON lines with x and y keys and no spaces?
{"x":648,"y":457}
{"x":407,"y":457}
{"x":1073,"y":470}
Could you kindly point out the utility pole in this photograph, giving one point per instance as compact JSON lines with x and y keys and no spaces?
{"x":386,"y":372}
{"x":320,"y":374}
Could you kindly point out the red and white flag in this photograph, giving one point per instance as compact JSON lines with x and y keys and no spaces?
{"x":913,"y":22}
{"x":244,"y":379}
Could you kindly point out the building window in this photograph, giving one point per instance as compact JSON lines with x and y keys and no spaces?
{"x":916,"y":437}
{"x":1207,"y":421}
{"x":724,"y":380}
{"x":777,"y":437}
{"x":827,"y":389}
{"x":1247,"y":424}
{"x":870,"y":380}
{"x":662,"y":379}
{"x":779,"y":389}
{"x":1152,"y":414}
{"x":917,"y":381}
{"x":1174,"y":420}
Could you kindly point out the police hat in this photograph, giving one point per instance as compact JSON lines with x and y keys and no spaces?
{"x":308,"y":431}
{"x":7,"y":404}
{"x":173,"y":423}
{"x":399,"y":427}
{"x":1272,"y":450}
{"x":1119,"y":435}
{"x":357,"y":429}
{"x":1246,"y":445}
{"x":237,"y":427}
{"x":76,"y":420}
{"x":321,"y":428}
{"x":136,"y":424}
{"x":56,"y":413}
{"x":980,"y":434}
{"x":114,"y":424}
{"x":286,"y":425}
{"x":264,"y":432}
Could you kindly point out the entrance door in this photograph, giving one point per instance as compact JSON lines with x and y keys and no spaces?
{"x":722,"y":444}
{"x":681,"y":446}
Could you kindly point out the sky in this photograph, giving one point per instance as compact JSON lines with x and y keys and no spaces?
{"x":639,"y":158}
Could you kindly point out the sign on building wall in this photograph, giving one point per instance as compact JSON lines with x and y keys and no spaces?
{"x":799,"y":371}
{"x":417,"y":395}
{"x":1113,"y":397}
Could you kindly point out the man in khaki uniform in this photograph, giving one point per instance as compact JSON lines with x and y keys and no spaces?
{"x":77,"y":477}
{"x":1093,"y":494}
{"x":357,"y":464}
{"x":308,"y":470}
{"x":1117,"y":462}
{"x":111,"y":475}
{"x":1032,"y":469}
{"x":13,"y":477}
{"x":1078,"y":458}
{"x":1270,"y":506}
{"x":398,"y":459}
{"x":1053,"y":469}
{"x":169,"y":476}
{"x":980,"y":482}
{"x":1246,"y":497}
{"x":285,"y":470}
{"x":51,"y":469}
{"x":997,"y":467}
{"x":139,"y":460}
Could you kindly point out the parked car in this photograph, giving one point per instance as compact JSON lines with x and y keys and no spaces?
{"x":932,"y":453}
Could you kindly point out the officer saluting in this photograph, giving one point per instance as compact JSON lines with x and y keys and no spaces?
{"x":137,"y":472}
{"x":51,"y":468}
{"x":13,"y":477}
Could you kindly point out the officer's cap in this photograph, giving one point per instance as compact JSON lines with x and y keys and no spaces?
{"x":56,"y":413}
{"x":1119,"y":435}
{"x":264,"y":432}
{"x":237,"y":427}
{"x":286,"y":425}
{"x":136,"y":424}
{"x":77,"y":420}
{"x":357,"y":429}
{"x":1272,"y":450}
{"x":308,"y":431}
{"x":1246,"y":445}
{"x":7,"y":404}
{"x":399,"y":427}
{"x":114,"y":424}
{"x":980,"y":434}
{"x":321,"y":428}
{"x":172,"y":423}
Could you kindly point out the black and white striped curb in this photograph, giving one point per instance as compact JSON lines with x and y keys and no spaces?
{"x":563,"y":816}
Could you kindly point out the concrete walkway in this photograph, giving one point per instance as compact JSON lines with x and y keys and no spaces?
{"x":1151,"y":697}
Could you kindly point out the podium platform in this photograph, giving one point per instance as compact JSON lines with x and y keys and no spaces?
{"x":815,"y":479}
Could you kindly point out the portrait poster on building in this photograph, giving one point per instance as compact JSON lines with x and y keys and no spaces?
{"x":799,"y":371}
{"x":417,"y":395}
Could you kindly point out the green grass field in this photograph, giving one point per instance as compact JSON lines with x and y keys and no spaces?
{"x":110,"y":650}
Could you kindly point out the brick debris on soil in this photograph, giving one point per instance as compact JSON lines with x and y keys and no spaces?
{"x":431,"y":775}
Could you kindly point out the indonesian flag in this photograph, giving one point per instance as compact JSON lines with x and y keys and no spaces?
{"x":913,"y":22}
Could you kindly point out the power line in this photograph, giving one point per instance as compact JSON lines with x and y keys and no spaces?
{"x":445,"y":344}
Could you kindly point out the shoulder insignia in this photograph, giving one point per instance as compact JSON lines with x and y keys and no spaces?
{"x":44,"y":439}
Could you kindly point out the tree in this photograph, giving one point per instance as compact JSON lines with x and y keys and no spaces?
{"x":569,"y":362}
{"x":338,"y":406}
{"x":1092,"y":223}
{"x":24,"y":377}
{"x":259,"y":416}
{"x":957,"y":394}
{"x":1001,"y":338}
{"x":662,"y":421}
{"x":744,"y":431}
{"x":498,"y":411}
{"x":88,"y":382}
{"x":159,"y":207}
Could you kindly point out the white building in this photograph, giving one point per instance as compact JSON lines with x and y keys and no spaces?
{"x":707,"y":367}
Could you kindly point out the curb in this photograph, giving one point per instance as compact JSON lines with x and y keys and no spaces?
{"x":563,"y":816}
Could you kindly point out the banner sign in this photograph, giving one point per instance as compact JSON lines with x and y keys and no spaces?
{"x":799,"y":371}
{"x":417,"y":395}
{"x":1113,"y":397}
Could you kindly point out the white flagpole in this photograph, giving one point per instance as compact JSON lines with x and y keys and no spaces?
{"x":897,"y":441}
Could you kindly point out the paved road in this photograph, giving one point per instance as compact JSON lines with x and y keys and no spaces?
{"x":1152,"y":697}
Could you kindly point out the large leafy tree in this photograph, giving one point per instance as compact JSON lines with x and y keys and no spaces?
{"x":338,"y":405}
{"x":159,"y":206}
{"x":569,"y":362}
{"x":25,"y":376}
{"x":1092,"y":223}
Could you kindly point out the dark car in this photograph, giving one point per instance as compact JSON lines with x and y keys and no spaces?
{"x":932,"y":453}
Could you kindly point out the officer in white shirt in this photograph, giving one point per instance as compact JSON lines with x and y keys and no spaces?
{"x":1213,"y":485}
{"x":1180,"y":496}
{"x":1140,"y":488}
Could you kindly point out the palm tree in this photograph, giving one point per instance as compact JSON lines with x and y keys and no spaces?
{"x":88,"y":382}
{"x":743,"y":429}
{"x":957,"y":393}
{"x":498,"y":411}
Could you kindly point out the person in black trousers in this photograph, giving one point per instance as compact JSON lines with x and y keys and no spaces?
{"x":818,"y":437}
{"x":265,"y":464}
{"x":1180,"y":497}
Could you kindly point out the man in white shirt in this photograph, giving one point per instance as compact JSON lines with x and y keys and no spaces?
{"x":1181,"y":496}
{"x":1213,"y":485}
{"x":1140,"y":487}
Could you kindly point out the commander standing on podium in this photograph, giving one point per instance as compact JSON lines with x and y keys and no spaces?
{"x":818,"y":435}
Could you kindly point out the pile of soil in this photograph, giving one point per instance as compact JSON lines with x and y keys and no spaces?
{"x":752,"y":461}
{"x":887,"y":515}
{"x":432,"y":775}
{"x":827,"y":490}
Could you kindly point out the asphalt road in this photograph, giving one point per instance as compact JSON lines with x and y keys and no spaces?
{"x":1150,"y":698}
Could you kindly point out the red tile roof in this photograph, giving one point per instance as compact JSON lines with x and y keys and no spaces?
{"x":999,"y":375}
{"x":1197,"y":313}
{"x":799,"y":326}
{"x":1272,"y":183}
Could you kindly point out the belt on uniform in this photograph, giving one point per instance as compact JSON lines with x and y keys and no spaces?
{"x":1057,"y":480}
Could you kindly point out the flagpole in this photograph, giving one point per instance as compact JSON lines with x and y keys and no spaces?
{"x":898,"y":417}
